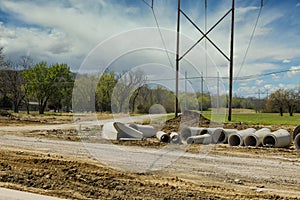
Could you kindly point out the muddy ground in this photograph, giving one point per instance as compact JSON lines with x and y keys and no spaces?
{"x":70,"y":177}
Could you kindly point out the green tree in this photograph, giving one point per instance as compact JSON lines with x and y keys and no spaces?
{"x":104,"y":91}
{"x":277,"y":101}
{"x":43,"y":82}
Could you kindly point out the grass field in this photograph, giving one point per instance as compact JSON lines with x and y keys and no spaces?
{"x":257,"y":118}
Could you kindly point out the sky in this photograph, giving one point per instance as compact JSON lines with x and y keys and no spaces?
{"x":123,"y":35}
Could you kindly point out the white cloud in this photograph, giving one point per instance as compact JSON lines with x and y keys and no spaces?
{"x":286,"y":61}
{"x":275,"y":77}
{"x":57,"y":31}
{"x":259,"y":82}
{"x":298,"y":5}
{"x":294,"y":70}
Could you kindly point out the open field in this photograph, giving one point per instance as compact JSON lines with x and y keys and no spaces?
{"x":260,"y":118}
{"x":44,"y":154}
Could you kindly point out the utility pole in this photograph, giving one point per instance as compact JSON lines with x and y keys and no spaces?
{"x":231,"y":62}
{"x":218,"y":91}
{"x":185,"y":89}
{"x":202,"y":81}
{"x":177,"y":58}
{"x":205,"y":35}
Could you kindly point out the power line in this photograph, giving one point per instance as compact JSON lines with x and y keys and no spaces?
{"x":151,"y":6}
{"x":224,"y":78}
{"x":251,"y":38}
{"x":159,"y":29}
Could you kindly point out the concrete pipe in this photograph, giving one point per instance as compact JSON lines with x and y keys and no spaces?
{"x":237,"y":139}
{"x":228,"y":132}
{"x":296,"y":132}
{"x":192,"y":131}
{"x":147,"y":130}
{"x":279,"y":138}
{"x":163,"y":137}
{"x":125,"y":131}
{"x":256,"y":139}
{"x":175,"y":138}
{"x":199,"y":139}
{"x":218,"y":135}
{"x":297,"y":141}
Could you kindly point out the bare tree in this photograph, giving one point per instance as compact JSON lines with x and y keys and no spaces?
{"x":12,"y":83}
{"x":124,"y":89}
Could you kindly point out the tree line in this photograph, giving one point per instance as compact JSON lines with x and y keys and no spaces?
{"x":50,"y":86}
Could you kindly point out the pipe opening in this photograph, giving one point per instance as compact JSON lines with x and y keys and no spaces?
{"x":190,"y":141}
{"x":165,"y":138}
{"x":250,"y":141}
{"x":204,"y":131}
{"x":234,"y":140}
{"x":269,"y":141}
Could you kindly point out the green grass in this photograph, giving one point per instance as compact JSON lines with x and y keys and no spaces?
{"x":258,"y":118}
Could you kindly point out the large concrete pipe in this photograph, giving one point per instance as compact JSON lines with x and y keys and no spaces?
{"x":218,"y":135}
{"x":192,"y":131}
{"x":296,"y":132}
{"x":199,"y":139}
{"x":255,"y":139}
{"x":297,"y":141}
{"x":279,"y":138}
{"x":228,"y":132}
{"x":147,"y":130}
{"x":163,"y":137}
{"x":175,"y":138}
{"x":237,"y":139}
{"x":125,"y":131}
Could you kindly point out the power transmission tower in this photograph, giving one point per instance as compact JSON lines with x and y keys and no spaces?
{"x":205,"y":35}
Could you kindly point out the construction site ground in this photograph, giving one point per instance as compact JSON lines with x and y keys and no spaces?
{"x":54,"y":161}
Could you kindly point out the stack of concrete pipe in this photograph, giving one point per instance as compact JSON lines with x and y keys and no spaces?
{"x":237,"y":139}
{"x":256,"y":139}
{"x":262,"y":137}
{"x":196,"y":135}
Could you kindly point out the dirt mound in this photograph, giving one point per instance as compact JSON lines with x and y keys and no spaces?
{"x":188,"y":118}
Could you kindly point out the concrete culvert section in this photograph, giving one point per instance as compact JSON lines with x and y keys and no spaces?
{"x":199,"y":139}
{"x":218,"y":135}
{"x":175,"y":139}
{"x":147,"y":130}
{"x":297,"y":141}
{"x":256,"y":139}
{"x":251,"y":140}
{"x":163,"y":137}
{"x":187,"y":132}
{"x":125,"y":131}
{"x":237,"y":139}
{"x":279,"y":138}
{"x":228,"y":132}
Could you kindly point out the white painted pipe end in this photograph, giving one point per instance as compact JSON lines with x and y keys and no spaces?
{"x":163,"y":137}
